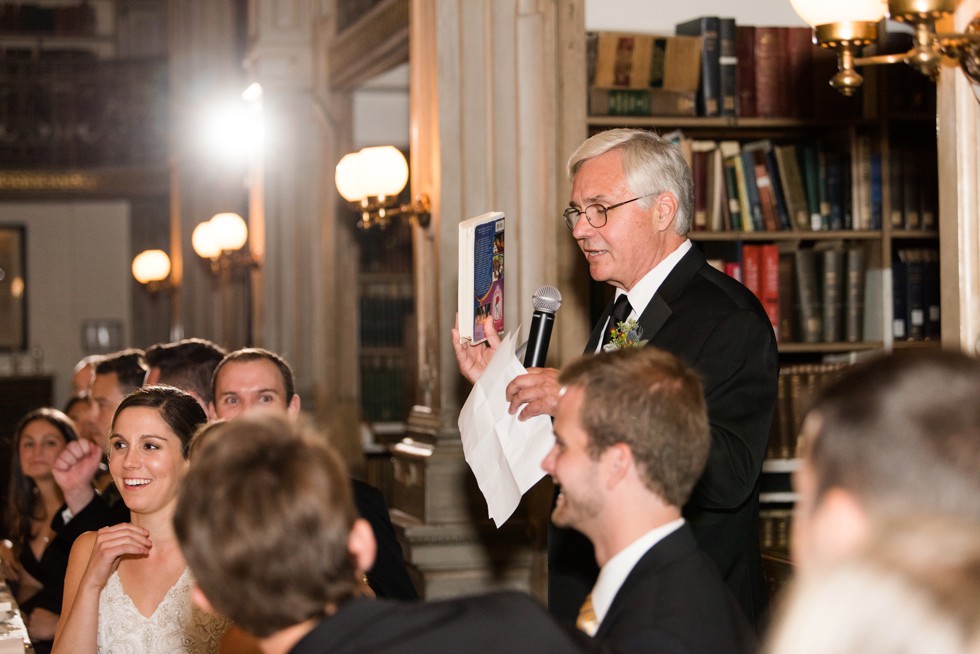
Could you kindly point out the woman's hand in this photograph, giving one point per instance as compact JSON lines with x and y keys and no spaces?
{"x":9,"y":566}
{"x":112,"y":543}
{"x":41,"y":624}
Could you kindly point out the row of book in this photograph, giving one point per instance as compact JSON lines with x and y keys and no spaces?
{"x":36,"y":18}
{"x":811,"y":295}
{"x":798,"y":385}
{"x":384,"y":306}
{"x":803,"y":185}
{"x":915,"y":295}
{"x":775,"y":527}
{"x":713,"y":67}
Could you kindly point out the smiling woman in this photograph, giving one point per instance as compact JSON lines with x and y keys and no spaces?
{"x":126,"y":582}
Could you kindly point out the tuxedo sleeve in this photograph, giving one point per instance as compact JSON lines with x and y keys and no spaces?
{"x":739,"y":367}
{"x":96,"y":515}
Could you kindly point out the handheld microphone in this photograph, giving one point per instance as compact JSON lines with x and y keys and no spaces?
{"x":546,"y":301}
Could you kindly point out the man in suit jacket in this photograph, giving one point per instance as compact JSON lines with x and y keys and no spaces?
{"x":267,"y":525}
{"x":631,"y":442}
{"x":630,"y":213}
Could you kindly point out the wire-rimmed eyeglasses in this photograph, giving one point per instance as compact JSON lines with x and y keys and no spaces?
{"x":595,"y":213}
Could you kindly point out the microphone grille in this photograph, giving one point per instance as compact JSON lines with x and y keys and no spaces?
{"x":547,"y":299}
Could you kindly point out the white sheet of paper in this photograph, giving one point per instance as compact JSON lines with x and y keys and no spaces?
{"x":503,"y":452}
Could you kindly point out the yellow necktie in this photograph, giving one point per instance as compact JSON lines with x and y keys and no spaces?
{"x":586,"y":617}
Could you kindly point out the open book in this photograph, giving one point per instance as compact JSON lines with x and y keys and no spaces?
{"x":481,"y":275}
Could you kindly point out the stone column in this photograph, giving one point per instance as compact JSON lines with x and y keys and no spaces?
{"x":498,"y":102}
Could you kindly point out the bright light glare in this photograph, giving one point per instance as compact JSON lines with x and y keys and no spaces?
{"x":230,"y":231}
{"x":378,"y":171}
{"x":233,"y":131}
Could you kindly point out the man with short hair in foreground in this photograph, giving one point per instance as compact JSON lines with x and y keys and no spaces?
{"x":268,"y":528}
{"x":632,"y":439}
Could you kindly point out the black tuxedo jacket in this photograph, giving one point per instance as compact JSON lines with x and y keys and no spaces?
{"x":716,"y":326}
{"x":674,"y":601}
{"x":508,"y":622}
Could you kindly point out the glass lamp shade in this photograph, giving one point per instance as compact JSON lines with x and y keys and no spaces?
{"x":151,"y":266}
{"x":825,"y":12}
{"x":230,"y":231}
{"x":377,"y":171}
{"x":205,"y":242}
{"x":348,"y":178}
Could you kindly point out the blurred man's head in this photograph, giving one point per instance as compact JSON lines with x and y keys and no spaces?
{"x":187,"y":364}
{"x":83,"y":375}
{"x":116,"y":376}
{"x":253,"y":378}
{"x":896,"y":436}
{"x":84,"y":412}
{"x":266,"y":522}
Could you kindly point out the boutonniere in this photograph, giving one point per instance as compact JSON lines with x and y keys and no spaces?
{"x":624,"y":335}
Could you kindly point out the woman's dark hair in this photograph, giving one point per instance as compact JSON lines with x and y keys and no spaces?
{"x":22,"y":498}
{"x":180,"y":410}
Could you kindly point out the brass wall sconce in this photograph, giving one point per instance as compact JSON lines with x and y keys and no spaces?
{"x":371,"y":179}
{"x":848,"y":25}
{"x":220,"y":240}
{"x":152,"y":269}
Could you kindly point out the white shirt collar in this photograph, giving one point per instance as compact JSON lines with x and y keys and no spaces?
{"x":614,"y":573}
{"x":644,"y":290}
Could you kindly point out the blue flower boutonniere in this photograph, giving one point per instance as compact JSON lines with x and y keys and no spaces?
{"x":625,"y":335}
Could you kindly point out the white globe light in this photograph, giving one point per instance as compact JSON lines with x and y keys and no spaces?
{"x":151,"y":266}
{"x":825,"y":12}
{"x":230,"y":231}
{"x":349,"y":178}
{"x":205,"y":242}
{"x":386,"y":169}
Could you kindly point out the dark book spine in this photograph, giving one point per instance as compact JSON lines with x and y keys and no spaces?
{"x":731,"y":190}
{"x":728,"y":66}
{"x":745,"y":76}
{"x":799,"y":77}
{"x":807,"y":295}
{"x":787,"y":333}
{"x":854,"y":298}
{"x":770,"y":81}
{"x":900,"y":330}
{"x":930,"y":287}
{"x":769,"y":283}
{"x":710,"y":88}
{"x":751,"y":190}
{"x":833,"y":284}
{"x":915,"y":309}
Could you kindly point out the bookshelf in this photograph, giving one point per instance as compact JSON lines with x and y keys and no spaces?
{"x":868,"y":235}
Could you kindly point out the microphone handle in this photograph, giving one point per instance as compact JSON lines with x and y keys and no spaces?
{"x":538,"y":338}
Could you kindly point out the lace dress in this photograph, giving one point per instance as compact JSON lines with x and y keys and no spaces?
{"x":176,"y":626}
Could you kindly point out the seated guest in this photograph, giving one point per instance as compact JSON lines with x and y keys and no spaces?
{"x":253,"y":378}
{"x":40,"y":556}
{"x":913,"y":589}
{"x":85,"y":414}
{"x":895,"y":436}
{"x":267,"y":525}
{"x":83,"y":374}
{"x":91,"y":499}
{"x":632,"y":439}
{"x":128,"y":588}
{"x":186,"y":364}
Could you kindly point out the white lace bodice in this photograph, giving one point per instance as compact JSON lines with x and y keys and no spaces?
{"x":176,"y":626}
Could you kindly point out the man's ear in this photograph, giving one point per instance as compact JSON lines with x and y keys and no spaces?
{"x":665,"y":209}
{"x":212,"y":414}
{"x":362,"y":545}
{"x":617,"y":462}
{"x":199,"y":599}
{"x":293,"y":408}
{"x":840,"y":525}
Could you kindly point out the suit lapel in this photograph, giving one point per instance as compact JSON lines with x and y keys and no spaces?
{"x":596,"y":336}
{"x":678,"y":544}
{"x":658,"y":310}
